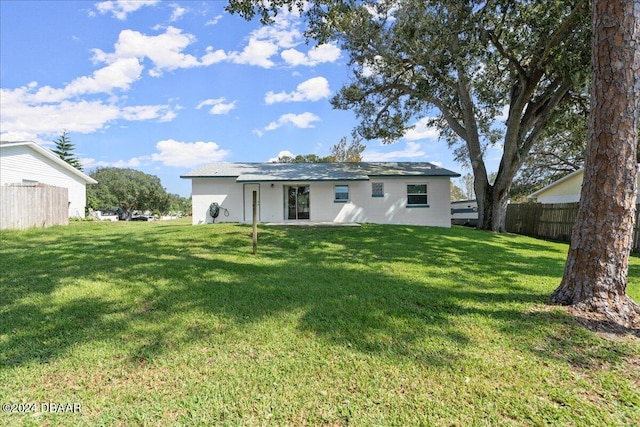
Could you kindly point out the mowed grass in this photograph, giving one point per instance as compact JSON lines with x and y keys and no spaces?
{"x":169,"y":324}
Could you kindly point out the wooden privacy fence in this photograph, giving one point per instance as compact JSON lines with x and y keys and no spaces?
{"x":33,"y":205}
{"x":552,"y":221}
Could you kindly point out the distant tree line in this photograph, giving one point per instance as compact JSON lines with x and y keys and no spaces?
{"x":340,"y":152}
{"x":131,"y":190}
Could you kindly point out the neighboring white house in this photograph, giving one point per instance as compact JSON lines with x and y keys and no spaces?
{"x":384,"y":193}
{"x":26,"y":162}
{"x":566,"y":189}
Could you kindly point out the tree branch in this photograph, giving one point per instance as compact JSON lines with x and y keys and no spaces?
{"x":540,"y":120}
{"x":452,"y":121}
{"x":502,"y":51}
{"x":560,"y":160}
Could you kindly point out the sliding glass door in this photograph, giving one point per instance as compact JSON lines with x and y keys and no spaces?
{"x":297,"y":202}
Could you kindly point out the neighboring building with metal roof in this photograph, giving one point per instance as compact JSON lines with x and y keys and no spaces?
{"x":385,"y":193}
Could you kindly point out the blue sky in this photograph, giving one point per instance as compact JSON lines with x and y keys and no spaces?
{"x":166,"y":86}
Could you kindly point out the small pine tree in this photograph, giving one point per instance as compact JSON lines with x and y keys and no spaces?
{"x":64,"y":149}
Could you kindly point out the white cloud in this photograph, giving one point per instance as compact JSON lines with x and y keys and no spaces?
{"x":117,"y":75}
{"x":134,"y":162}
{"x":167,"y":50}
{"x":371,"y":68}
{"x":170,"y":153}
{"x":30,"y":112}
{"x":164,"y":50}
{"x":304,"y":120}
{"x":324,"y":53}
{"x":213,"y":57}
{"x":257,"y":52}
{"x":284,"y":153}
{"x":311,"y":90}
{"x":177,"y":13}
{"x":376,"y":12}
{"x":213,"y":21}
{"x":422,"y":130}
{"x":284,"y":35}
{"x":293,"y":57}
{"x":187,"y":154}
{"x":147,"y":112}
{"x":412,"y":150}
{"x":78,"y":116}
{"x":317,"y":55}
{"x":121,"y":8}
{"x":218,"y":105}
{"x":19,"y":136}
{"x":263,"y":43}
{"x":504,"y":115}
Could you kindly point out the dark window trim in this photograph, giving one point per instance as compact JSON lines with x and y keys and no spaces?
{"x":335,"y":193}
{"x":425,"y":195}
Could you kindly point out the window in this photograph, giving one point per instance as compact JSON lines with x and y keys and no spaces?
{"x":417,"y":195}
{"x":377,"y":189}
{"x":341,"y":193}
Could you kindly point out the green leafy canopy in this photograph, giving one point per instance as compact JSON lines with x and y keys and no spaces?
{"x":129,"y":189}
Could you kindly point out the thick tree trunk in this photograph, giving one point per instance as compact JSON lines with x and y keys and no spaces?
{"x":595,"y":277}
{"x":492,"y":199}
{"x":492,"y":208}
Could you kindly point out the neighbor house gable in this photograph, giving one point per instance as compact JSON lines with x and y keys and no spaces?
{"x":26,"y":162}
{"x":47,"y":156}
{"x":566,"y":189}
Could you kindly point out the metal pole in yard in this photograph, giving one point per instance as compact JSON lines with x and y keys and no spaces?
{"x":255,"y":222}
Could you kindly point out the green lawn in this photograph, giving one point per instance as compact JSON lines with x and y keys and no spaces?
{"x":169,"y":324}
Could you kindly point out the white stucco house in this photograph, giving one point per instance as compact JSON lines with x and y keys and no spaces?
{"x":413,"y":193}
{"x":26,"y":162}
{"x":566,"y":189}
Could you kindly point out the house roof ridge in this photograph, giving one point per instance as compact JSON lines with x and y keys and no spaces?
{"x":331,"y":171}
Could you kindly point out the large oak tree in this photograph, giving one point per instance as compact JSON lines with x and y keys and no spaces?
{"x":595,"y":277}
{"x":486,"y":73}
{"x":128,"y":189}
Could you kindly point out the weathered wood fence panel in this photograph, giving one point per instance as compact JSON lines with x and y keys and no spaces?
{"x":33,"y":205}
{"x":552,"y":221}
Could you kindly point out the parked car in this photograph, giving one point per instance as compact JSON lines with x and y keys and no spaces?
{"x":140,"y":218}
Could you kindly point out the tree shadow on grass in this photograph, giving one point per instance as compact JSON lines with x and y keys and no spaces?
{"x":145,"y":286}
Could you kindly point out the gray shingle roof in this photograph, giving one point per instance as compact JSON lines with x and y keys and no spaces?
{"x":255,"y":172}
